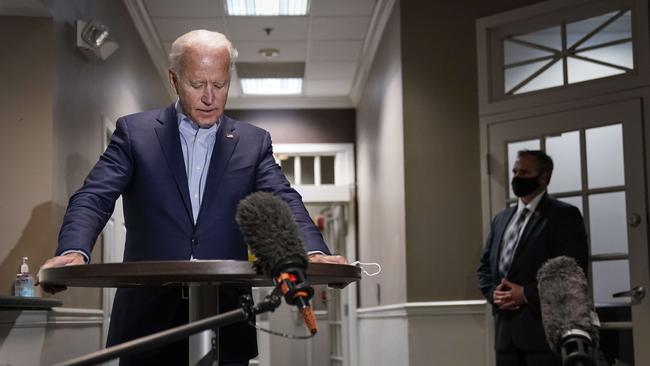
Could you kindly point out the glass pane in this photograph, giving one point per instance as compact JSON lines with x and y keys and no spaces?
{"x":610,"y":277}
{"x":617,"y":346}
{"x":549,"y":37}
{"x":515,"y":75}
{"x":515,"y":52}
{"x":580,"y":70}
{"x":306,"y":170}
{"x":288,"y":165}
{"x":327,"y":170}
{"x":620,"y":55}
{"x":608,"y":223}
{"x":574,"y":201}
{"x":565,"y":151}
{"x":605,"y":156}
{"x":621,"y":28}
{"x":551,"y":77}
{"x":513,"y":149}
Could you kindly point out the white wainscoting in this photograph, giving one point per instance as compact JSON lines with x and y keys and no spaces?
{"x":41,"y":337}
{"x":450,"y":333}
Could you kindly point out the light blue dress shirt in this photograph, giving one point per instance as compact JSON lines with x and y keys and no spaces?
{"x":197,"y":145}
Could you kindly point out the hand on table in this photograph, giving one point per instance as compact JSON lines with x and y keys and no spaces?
{"x":69,"y":259}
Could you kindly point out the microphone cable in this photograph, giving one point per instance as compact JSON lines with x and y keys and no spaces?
{"x":281,"y":334}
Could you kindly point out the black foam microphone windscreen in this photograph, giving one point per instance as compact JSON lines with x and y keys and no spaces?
{"x":271,"y":232}
{"x":566,"y":307}
{"x":272,"y":235}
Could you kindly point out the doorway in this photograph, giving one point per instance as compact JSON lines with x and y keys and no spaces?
{"x":599,"y":168}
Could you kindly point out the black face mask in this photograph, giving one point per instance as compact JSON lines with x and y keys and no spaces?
{"x":524,"y":186}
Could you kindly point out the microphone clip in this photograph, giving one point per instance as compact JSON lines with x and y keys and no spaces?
{"x":292,"y":285}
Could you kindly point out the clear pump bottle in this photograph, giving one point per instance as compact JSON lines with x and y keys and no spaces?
{"x":24,"y":284}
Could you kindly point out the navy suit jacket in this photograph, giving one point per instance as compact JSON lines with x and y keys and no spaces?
{"x":555,"y":229}
{"x":144,"y":163}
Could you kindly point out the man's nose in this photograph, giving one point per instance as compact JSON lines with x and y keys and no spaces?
{"x":208,"y":96}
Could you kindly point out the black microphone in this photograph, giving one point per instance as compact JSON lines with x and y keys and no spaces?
{"x":567,"y":313}
{"x":271,"y":232}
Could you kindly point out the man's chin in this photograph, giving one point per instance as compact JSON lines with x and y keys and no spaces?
{"x":205,"y":121}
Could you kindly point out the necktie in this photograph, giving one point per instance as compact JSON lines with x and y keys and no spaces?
{"x":512,"y":237}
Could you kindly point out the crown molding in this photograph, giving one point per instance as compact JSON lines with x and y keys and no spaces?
{"x":144,"y":25}
{"x":378,"y":22}
{"x":297,"y":102}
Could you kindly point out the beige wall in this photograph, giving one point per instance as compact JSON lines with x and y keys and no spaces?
{"x":66,"y":100}
{"x":26,"y":148}
{"x":380,"y":173}
{"x":441,"y":138}
{"x":89,"y":94}
{"x":290,"y":126}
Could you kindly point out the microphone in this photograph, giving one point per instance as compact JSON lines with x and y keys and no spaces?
{"x":271,"y":232}
{"x":567,"y":314}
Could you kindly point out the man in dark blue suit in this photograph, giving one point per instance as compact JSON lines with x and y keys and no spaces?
{"x":181,"y":172}
{"x":522,"y":238}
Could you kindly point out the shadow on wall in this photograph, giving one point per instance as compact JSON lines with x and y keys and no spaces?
{"x":37,"y":241}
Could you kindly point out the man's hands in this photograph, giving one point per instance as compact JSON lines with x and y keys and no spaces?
{"x":69,"y":259}
{"x":508,"y":295}
{"x":331,"y":259}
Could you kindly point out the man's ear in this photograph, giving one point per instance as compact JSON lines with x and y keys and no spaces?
{"x":173,"y":80}
{"x":545,"y":178}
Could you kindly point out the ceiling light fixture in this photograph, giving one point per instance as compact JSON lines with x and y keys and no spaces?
{"x":94,"y":41}
{"x":269,"y":53}
{"x":267,"y":7}
{"x":271,"y":86}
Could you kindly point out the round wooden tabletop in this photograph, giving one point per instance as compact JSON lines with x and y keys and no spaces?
{"x":178,"y":273}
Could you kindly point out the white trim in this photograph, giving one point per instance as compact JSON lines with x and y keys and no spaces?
{"x":488,"y":26}
{"x":343,"y":168}
{"x":312,"y":148}
{"x":430,"y":308}
{"x":49,"y":318}
{"x":147,"y":32}
{"x":296,"y":102}
{"x":324,"y":193}
{"x":380,"y":17}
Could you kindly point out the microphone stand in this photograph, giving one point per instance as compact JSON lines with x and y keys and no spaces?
{"x":247,"y":311}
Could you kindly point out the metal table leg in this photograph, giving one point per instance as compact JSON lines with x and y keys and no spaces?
{"x":204,"y":302}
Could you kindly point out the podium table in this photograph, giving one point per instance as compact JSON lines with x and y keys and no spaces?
{"x":203,"y":278}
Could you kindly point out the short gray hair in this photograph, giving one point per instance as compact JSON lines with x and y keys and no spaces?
{"x":199,"y":37}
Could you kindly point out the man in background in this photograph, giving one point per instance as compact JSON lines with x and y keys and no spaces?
{"x":522,"y":238}
{"x":181,"y":172}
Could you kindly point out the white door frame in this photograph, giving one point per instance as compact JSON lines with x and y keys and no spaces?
{"x":113,"y":238}
{"x":342,"y":191}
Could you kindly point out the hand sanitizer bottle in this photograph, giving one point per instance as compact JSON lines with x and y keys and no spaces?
{"x":24,"y":284}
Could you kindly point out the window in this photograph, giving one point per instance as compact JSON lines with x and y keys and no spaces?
{"x":568,"y":53}
{"x":313,"y":169}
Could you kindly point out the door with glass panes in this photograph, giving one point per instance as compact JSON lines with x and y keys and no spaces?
{"x":599,"y":168}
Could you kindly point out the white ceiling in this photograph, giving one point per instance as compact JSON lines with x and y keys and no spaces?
{"x":335,"y":42}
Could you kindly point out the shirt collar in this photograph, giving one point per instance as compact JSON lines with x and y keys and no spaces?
{"x":181,"y":116}
{"x":532,"y":205}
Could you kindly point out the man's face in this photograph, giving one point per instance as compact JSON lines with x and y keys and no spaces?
{"x":202,"y":84}
{"x":526,"y":166}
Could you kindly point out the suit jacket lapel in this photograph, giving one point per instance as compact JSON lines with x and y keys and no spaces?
{"x":169,"y":138}
{"x":224,"y":146}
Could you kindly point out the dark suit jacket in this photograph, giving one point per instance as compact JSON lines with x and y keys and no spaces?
{"x":144,"y":163}
{"x":555,"y":229}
